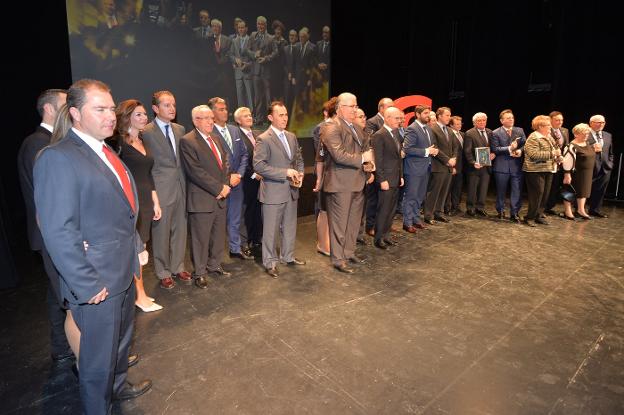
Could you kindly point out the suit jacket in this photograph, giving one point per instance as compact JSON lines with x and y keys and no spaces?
{"x":604,"y":159}
{"x":243,"y":52}
{"x":87,"y":223}
{"x":343,"y":166}
{"x":459,"y":153}
{"x":304,"y":61}
{"x":25,"y":163}
{"x":271,"y":162}
{"x":374,"y":124}
{"x":205,"y":179}
{"x":197,"y":32}
{"x":237,"y":157}
{"x":223,"y":55}
{"x":564,"y":133}
{"x":267,"y":49}
{"x":472,"y":140}
{"x":416,"y":161}
{"x":446,"y":147}
{"x":323,"y":56}
{"x":499,"y":145}
{"x":388,"y":161}
{"x":167,"y":172}
{"x":289,"y":58}
{"x":249,"y":171}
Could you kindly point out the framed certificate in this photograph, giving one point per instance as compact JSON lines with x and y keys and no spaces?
{"x":482,"y":156}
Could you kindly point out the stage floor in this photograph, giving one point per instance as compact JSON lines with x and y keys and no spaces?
{"x":478,"y":316}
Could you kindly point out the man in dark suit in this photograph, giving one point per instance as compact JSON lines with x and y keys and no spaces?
{"x":234,"y":146}
{"x":278,"y":160}
{"x":374,"y":124}
{"x":323,"y":49}
{"x":388,"y":174}
{"x":418,"y":149}
{"x":203,"y":31}
{"x":442,"y":166}
{"x":86,"y":205}
{"x":344,"y":177}
{"x":478,"y":175}
{"x":162,"y":137}
{"x":48,"y":105}
{"x":251,"y":218}
{"x":290,"y":83}
{"x":264,"y":50}
{"x":561,"y":136}
{"x":453,"y":199}
{"x":305,"y":61}
{"x":603,"y":145}
{"x":507,"y":142}
{"x":206,"y":166}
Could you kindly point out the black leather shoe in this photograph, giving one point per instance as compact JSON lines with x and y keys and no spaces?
{"x":221,"y":271}
{"x":515,"y":218}
{"x":296,"y":261}
{"x":541,"y":221}
{"x":201,"y":282}
{"x":550,"y":212}
{"x":390,"y":242}
{"x":356,"y":260}
{"x":344,"y":268}
{"x":482,"y":212}
{"x":430,"y":221}
{"x":442,"y":219}
{"x":501,"y":215}
{"x":133,"y":359}
{"x":381,"y":244}
{"x":242,"y":255}
{"x":272,"y":272}
{"x":470,"y":212}
{"x":360,"y":241}
{"x":131,"y":391}
{"x":598,"y":214}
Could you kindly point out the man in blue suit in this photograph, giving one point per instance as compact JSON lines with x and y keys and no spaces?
{"x":506,"y":143}
{"x":237,"y":157}
{"x":86,"y":203}
{"x":418,"y":150}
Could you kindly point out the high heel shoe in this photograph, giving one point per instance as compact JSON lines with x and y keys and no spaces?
{"x":564,"y":216}
{"x":585,"y":217}
{"x":153,"y":307}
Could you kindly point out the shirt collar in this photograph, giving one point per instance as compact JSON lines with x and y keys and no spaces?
{"x":388,"y":128}
{"x":276,"y":131}
{"x":47,"y":126}
{"x":95,"y":144}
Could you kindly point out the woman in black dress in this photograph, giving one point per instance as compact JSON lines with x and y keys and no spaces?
{"x":131,"y":120}
{"x":578,"y":168}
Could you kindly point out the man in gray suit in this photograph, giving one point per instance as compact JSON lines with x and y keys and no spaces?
{"x":264,"y":50}
{"x":277,"y":158}
{"x":242,"y":61}
{"x":348,"y":149}
{"x":162,"y":136}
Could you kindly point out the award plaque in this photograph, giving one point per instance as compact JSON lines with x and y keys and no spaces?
{"x":482,"y":156}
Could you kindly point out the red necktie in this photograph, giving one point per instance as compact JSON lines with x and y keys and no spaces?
{"x":123,"y":175}
{"x":212,"y":146}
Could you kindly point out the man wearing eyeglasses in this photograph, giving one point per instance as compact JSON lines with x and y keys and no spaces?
{"x":348,"y":150}
{"x":601,"y":140}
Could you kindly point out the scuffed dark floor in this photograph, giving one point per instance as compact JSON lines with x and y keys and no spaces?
{"x":478,"y":316}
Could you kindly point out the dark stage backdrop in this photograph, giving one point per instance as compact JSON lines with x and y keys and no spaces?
{"x":139,"y":47}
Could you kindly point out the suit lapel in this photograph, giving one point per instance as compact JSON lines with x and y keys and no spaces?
{"x":204,"y":145}
{"x":278,"y":142}
{"x":96,"y":161}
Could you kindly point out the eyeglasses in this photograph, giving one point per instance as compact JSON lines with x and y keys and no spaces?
{"x":598,"y":122}
{"x":354,"y":106}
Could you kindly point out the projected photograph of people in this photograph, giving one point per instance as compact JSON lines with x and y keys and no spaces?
{"x":247,"y":52}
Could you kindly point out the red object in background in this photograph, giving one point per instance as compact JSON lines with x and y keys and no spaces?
{"x":410,"y":101}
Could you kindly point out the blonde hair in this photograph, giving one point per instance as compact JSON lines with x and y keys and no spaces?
{"x":540,"y":121}
{"x":581,"y":128}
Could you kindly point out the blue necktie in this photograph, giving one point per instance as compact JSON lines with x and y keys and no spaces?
{"x":169,"y":140}
{"x":285,"y":144}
